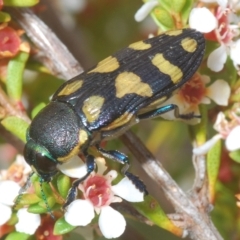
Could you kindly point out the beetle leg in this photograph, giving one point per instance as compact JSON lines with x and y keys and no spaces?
{"x":72,"y":193}
{"x":123,"y":159}
{"x":157,"y":112}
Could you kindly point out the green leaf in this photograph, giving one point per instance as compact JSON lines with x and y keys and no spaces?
{"x":14,"y":75}
{"x":46,"y":189}
{"x":199,"y":131}
{"x":29,"y":198}
{"x":17,"y":126}
{"x":37,"y":109}
{"x":63,"y":184}
{"x":37,"y":209}
{"x":37,"y":67}
{"x":17,"y":236}
{"x":163,"y":17}
{"x":213,"y":163}
{"x":186,"y":11}
{"x":153,"y":211}
{"x":178,"y":5}
{"x":4,"y":17}
{"x":50,"y":201}
{"x":235,"y":155}
{"x":62,"y":227}
{"x":166,"y":4}
{"x":13,"y":220}
{"x":20,"y":3}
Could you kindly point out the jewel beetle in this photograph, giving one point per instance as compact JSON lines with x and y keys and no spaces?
{"x":105,"y":101}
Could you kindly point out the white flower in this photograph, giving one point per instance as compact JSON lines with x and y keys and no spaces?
{"x":27,"y":222}
{"x":202,"y":19}
{"x":228,"y":130}
{"x":233,"y":139}
{"x":74,"y":6}
{"x":194,"y":92}
{"x":217,"y":58}
{"x":8,"y":192}
{"x":110,"y":228}
{"x":17,"y":172}
{"x":146,"y":8}
{"x":99,"y":194}
{"x":235,"y":53}
{"x":83,"y":207}
{"x":222,"y":25}
{"x":74,"y":168}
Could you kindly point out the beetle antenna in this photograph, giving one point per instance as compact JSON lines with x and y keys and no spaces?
{"x":45,"y":199}
{"x":23,"y":189}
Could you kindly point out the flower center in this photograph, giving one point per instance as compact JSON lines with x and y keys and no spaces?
{"x":97,"y":190}
{"x":223,"y":33}
{"x":193,"y":91}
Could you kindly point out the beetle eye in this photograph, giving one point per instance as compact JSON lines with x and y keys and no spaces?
{"x":45,"y":164}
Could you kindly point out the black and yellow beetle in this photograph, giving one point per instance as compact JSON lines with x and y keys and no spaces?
{"x":105,"y":101}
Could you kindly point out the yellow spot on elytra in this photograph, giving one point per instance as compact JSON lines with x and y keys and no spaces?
{"x":164,"y":66}
{"x":173,"y":33}
{"x":82,"y":138}
{"x":92,"y":107}
{"x":109,"y":64}
{"x":189,"y":44}
{"x":71,"y":88}
{"x":122,"y":120}
{"x":140,"y":45}
{"x":128,"y":82}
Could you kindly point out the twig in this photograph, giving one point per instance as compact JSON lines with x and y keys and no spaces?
{"x":199,"y":163}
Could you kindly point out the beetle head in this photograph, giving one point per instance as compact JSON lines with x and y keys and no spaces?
{"x":40,"y":160}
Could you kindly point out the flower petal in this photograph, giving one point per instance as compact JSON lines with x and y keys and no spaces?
{"x":79,"y":213}
{"x":219,"y":92}
{"x":9,"y":190}
{"x":101,"y":165}
{"x":146,"y":8}
{"x":27,"y":222}
{"x":217,"y":59}
{"x":111,"y":223}
{"x":74,"y":6}
{"x":205,"y":100}
{"x":220,"y":120}
{"x":232,"y":141}
{"x":75,"y":168}
{"x":6,"y":213}
{"x":202,"y":20}
{"x":128,"y":191}
{"x":203,"y":149}
{"x":111,"y":175}
{"x":222,"y":3}
{"x":235,"y":52}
